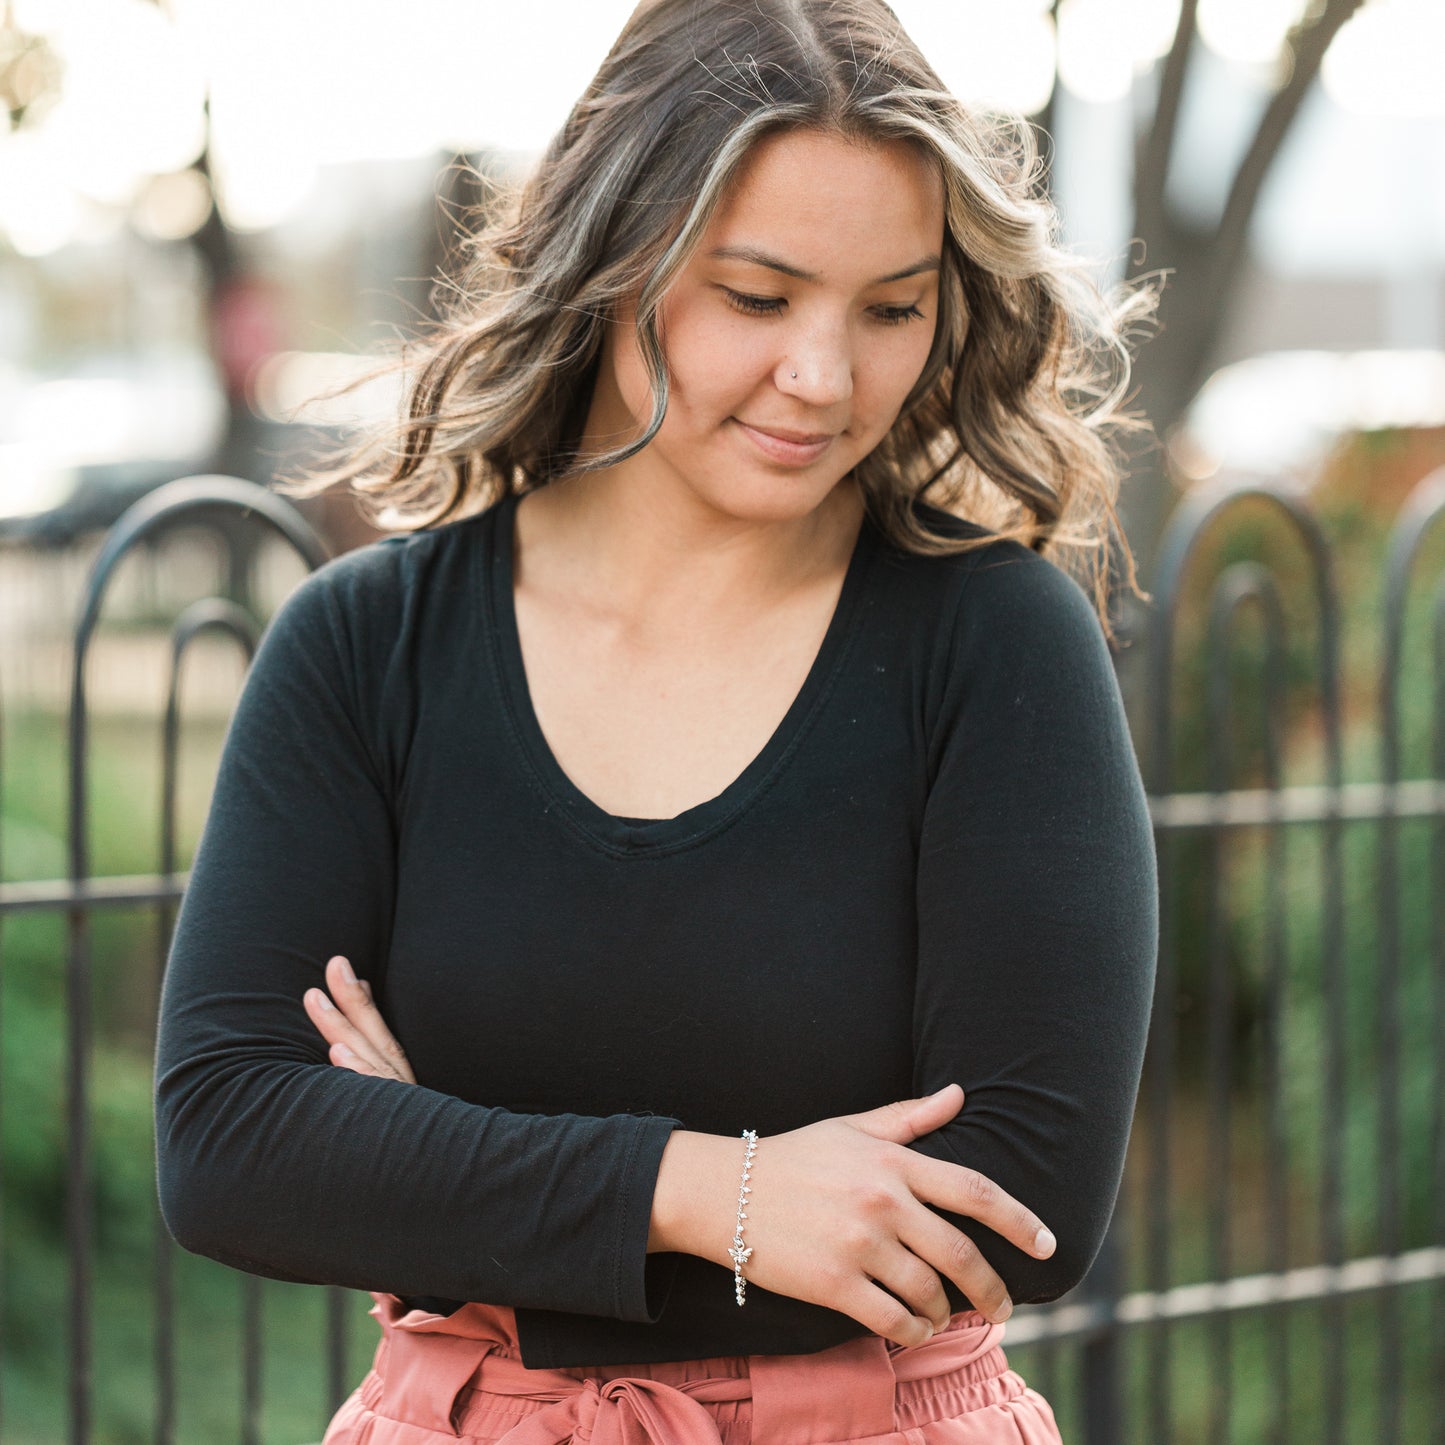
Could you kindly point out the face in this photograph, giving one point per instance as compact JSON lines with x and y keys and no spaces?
{"x":794,"y":333}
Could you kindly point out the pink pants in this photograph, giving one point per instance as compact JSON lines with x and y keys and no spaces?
{"x":447,"y":1377}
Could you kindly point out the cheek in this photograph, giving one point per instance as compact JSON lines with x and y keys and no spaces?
{"x":883,"y":375}
{"x":632,"y":382}
{"x":713,"y":360}
{"x":905,"y":365}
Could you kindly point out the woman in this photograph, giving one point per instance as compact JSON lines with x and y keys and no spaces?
{"x":610,"y":881}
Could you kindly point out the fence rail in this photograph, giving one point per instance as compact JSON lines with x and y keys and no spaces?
{"x":1101,"y":1319}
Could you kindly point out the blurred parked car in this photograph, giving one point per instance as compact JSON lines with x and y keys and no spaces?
{"x":77,"y":449}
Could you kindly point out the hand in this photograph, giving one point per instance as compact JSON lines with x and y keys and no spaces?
{"x":840,"y":1208}
{"x":353,"y":1025}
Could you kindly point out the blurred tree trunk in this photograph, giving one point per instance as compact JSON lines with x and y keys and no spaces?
{"x":241,"y":331}
{"x":1205,"y":261}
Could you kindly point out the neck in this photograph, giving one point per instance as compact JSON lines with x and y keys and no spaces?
{"x":644,"y":550}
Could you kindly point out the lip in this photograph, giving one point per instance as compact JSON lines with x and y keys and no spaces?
{"x":797,"y":449}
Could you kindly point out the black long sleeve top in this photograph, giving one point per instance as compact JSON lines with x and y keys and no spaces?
{"x":939,"y":868}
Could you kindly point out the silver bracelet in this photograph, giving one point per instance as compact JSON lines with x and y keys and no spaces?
{"x":737,"y":1253}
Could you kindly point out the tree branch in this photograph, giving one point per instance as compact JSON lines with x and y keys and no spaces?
{"x":1306,"y":45}
{"x":1151,"y":160}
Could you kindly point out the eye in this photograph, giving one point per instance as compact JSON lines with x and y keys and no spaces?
{"x":753,"y":305}
{"x":772,"y":305}
{"x":897,"y":315}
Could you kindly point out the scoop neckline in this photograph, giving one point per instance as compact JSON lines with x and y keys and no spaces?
{"x":612,"y":832}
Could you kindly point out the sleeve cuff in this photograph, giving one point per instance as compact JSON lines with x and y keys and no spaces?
{"x":642,"y":1281}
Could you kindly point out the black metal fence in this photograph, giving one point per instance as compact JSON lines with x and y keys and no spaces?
{"x":1245,"y":1198}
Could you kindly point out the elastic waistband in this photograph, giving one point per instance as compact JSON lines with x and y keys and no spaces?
{"x":436,"y":1370}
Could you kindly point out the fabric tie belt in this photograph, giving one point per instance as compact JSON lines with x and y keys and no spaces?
{"x":432,"y":1365}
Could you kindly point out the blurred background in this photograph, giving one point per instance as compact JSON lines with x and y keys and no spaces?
{"x":211,"y":212}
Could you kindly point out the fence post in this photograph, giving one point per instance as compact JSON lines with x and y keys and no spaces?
{"x":1102,"y":1359}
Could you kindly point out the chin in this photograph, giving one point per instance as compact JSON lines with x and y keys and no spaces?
{"x":781,"y":497}
{"x":760,"y":494}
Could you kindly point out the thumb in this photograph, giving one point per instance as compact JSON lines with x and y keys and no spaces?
{"x":903,"y":1121}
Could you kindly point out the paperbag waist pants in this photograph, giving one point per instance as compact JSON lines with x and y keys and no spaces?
{"x":439,"y":1378}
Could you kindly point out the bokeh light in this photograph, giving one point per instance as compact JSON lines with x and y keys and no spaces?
{"x":39,"y":212}
{"x":294,"y":88}
{"x":1103,"y":44}
{"x":291,"y":386}
{"x":1280,"y":412}
{"x":131,"y":99}
{"x":1387,"y":60}
{"x":1249,"y":32}
{"x":129,"y":107}
{"x":173,"y":206}
{"x":993,"y":53}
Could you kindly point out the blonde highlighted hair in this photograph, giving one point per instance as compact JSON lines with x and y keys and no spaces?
{"x":1012,"y":421}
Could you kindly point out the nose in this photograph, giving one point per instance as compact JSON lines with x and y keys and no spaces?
{"x":817,"y":367}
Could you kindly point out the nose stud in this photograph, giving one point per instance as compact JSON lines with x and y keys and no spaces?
{"x":795,"y":376}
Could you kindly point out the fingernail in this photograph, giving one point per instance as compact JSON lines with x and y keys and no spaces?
{"x":1044,"y":1243}
{"x":322,"y":1000}
{"x":344,"y":1051}
{"x":1004,"y":1312}
{"x":346,"y":971}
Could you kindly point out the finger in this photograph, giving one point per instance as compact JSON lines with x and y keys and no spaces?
{"x":340,"y":1033}
{"x":878,"y":1311}
{"x":353,"y":997}
{"x":344,"y":1058}
{"x":935,"y":1241}
{"x":350,"y":1048}
{"x":915,"y":1282}
{"x":904,"y":1120}
{"x":965,"y":1191}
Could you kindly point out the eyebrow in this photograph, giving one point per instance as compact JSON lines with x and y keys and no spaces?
{"x":773,"y":263}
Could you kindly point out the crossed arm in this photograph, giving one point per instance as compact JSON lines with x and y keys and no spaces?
{"x":847,"y":1209}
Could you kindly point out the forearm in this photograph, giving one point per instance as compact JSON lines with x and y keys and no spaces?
{"x":320,"y":1174}
{"x":694,"y":1204}
{"x":1068,"y":1175}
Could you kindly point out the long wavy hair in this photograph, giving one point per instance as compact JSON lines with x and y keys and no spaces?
{"x":1012,"y":422}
